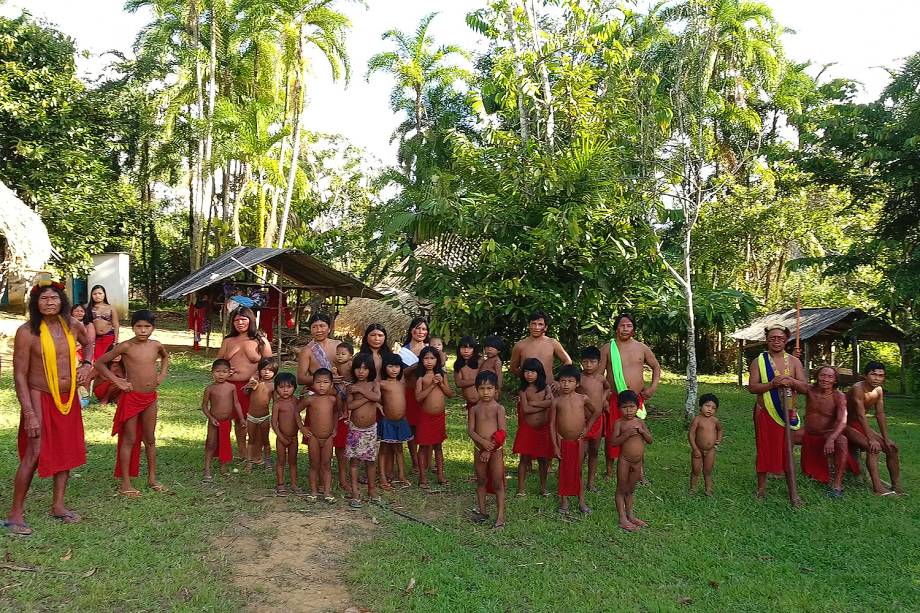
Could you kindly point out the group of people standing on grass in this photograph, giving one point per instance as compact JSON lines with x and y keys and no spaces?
{"x":361,"y":407}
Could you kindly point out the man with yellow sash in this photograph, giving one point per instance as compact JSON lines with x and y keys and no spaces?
{"x":770,"y":379}
{"x":46,"y":374}
{"x":624,"y":361}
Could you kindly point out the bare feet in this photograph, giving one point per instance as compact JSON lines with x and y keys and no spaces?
{"x":585,"y":509}
{"x":628,"y":525}
{"x":709,"y":493}
{"x":760,"y":494}
{"x":638,"y":522}
{"x":67,"y":517}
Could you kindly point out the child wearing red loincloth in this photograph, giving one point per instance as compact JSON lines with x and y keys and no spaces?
{"x":532,"y":438}
{"x":571,"y":416}
{"x":220,"y":405}
{"x":431,"y":390}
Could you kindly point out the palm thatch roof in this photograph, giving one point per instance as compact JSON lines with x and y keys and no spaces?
{"x":24,"y":239}
{"x":823,"y":323}
{"x":394,"y":312}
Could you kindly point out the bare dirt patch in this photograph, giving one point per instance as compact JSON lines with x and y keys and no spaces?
{"x":295,"y":561}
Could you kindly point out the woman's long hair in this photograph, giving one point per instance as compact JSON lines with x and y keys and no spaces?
{"x":35,"y":316}
{"x":536,"y":366}
{"x":385,"y":349}
{"x":88,"y":314}
{"x":413,"y":325}
{"x":252,"y":332}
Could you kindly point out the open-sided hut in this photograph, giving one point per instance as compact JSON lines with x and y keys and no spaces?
{"x":823,"y":332}
{"x":24,"y":243}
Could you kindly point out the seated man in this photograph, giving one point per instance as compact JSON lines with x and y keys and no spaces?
{"x":825,"y":420}
{"x":868,"y":394}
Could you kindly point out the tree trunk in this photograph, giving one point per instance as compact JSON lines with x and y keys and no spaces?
{"x":207,"y":187}
{"x":196,"y":179}
{"x":544,"y":78}
{"x":295,"y":147}
{"x":518,"y":72}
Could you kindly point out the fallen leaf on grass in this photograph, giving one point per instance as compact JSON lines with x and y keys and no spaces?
{"x":184,"y":594}
{"x":67,"y":555}
{"x":684,"y":600}
{"x":4,"y":589}
{"x":766,"y":558}
{"x":374,"y":520}
{"x":805,"y":569}
{"x":411,"y":585}
{"x":89,"y":573}
{"x":714,"y":585}
{"x":17,"y":568}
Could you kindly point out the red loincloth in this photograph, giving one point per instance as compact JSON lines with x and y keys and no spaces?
{"x":103,"y":387}
{"x":499,"y":439}
{"x":532,"y":442}
{"x":131,"y":404}
{"x":596,"y":430}
{"x":569,"y":468}
{"x":103,"y":344}
{"x":431,"y":429}
{"x":771,"y":444}
{"x":609,"y":419}
{"x":815,"y":463}
{"x":224,"y":447}
{"x":413,"y":408}
{"x":62,"y":446}
{"x":243,"y":396}
{"x":341,"y":434}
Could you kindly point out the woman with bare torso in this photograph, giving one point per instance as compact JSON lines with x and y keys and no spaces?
{"x":243,"y":348}
{"x":103,"y":318}
{"x":416,"y":340}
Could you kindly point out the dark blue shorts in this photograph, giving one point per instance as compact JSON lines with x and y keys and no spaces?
{"x":390,"y":431}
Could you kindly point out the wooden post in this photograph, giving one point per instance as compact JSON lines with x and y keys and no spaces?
{"x":806,"y":359}
{"x":855,"y":355}
{"x":903,"y":348}
{"x":741,"y":362}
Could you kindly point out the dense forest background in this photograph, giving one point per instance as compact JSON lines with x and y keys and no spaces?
{"x":672,"y":162}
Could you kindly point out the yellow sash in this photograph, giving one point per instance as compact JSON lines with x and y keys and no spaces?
{"x":49,"y":361}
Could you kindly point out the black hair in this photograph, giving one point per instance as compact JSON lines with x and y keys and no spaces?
{"x":367,"y":360}
{"x":78,"y":306}
{"x":392,"y":359}
{"x":591,"y":353}
{"x":35,"y":316}
{"x":252,"y":331}
{"x":493,"y":340}
{"x":144,"y":315}
{"x":873,"y":366}
{"x":621,"y":317}
{"x":384,"y":348}
{"x":285,"y":378}
{"x":319,"y":316}
{"x":709,"y":398}
{"x":268,"y":362}
{"x":571,"y":371}
{"x":420,"y":368}
{"x":348,"y":346}
{"x":322,"y":372}
{"x":88,"y":315}
{"x":486,"y":376}
{"x":627,"y":397}
{"x":833,"y":369}
{"x":220,"y":362}
{"x":539,"y":314}
{"x":413,"y":325}
{"x":473,"y":362}
{"x":535,"y":365}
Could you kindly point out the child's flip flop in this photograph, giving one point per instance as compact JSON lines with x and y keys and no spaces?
{"x":68,"y":518}
{"x":15,"y":528}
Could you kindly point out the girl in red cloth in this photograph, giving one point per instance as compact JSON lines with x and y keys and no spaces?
{"x":416,"y":340}
{"x":431,"y":390}
{"x":532,"y":438}
{"x":485,"y":423}
{"x":220,"y":404}
{"x":103,"y":318}
{"x":136,"y":416}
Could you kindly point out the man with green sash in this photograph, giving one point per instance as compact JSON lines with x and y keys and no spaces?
{"x":770,"y":379}
{"x":624,"y":360}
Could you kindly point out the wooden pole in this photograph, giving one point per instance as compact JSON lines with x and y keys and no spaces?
{"x":791,"y":485}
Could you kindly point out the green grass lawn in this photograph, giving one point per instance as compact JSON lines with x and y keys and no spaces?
{"x":727,"y":552}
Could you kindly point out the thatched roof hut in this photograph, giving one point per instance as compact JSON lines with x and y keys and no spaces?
{"x":395,"y":312}
{"x":24,"y":242}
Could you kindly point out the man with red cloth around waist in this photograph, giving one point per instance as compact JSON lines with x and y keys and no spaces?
{"x":136,"y":415}
{"x":624,"y":360}
{"x":864,"y":395}
{"x":770,"y":378}
{"x":571,"y":416}
{"x":825,"y":421}
{"x":46,"y":374}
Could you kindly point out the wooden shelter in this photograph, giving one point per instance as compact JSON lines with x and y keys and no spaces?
{"x":299,"y":276}
{"x":823,"y":331}
{"x":24,"y":245}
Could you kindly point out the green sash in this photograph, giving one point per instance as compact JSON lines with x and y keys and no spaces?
{"x":618,"y":379}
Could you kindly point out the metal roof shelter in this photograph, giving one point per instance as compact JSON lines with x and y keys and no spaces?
{"x":304,"y":270}
{"x":820,"y":329}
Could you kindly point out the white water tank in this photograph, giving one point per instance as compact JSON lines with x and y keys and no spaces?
{"x":112,"y":271}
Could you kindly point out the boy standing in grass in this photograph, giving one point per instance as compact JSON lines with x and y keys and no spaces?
{"x":630,"y":434}
{"x":220,"y":405}
{"x":286,"y":423}
{"x":705,"y":435}
{"x":485,"y":424}
{"x":323,"y":407}
{"x":136,"y":416}
{"x":571,"y":416}
{"x":596,"y":387}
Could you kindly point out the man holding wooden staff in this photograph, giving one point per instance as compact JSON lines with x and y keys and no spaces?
{"x":770,"y":374}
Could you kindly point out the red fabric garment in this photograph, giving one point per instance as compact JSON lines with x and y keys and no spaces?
{"x":224,"y":447}
{"x":101,"y":388}
{"x":131,"y":404}
{"x":243,"y":396}
{"x":431,"y":429}
{"x":103,"y":344}
{"x":341,"y":434}
{"x":533,"y":442}
{"x":613,"y":414}
{"x":63,"y":446}
{"x":771,"y":444}
{"x":596,"y":430}
{"x":499,"y":439}
{"x":413,"y":408}
{"x":570,"y":468}
{"x":815,"y":463}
